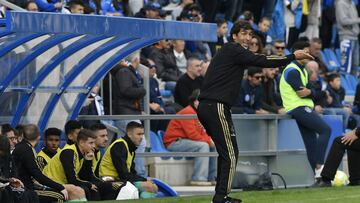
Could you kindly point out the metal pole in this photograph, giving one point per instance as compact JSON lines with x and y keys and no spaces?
{"x":146,"y":102}
{"x":12,"y":6}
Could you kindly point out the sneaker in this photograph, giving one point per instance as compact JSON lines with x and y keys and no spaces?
{"x":354,"y":183}
{"x":200,"y":183}
{"x":318,"y":172}
{"x":321,"y":183}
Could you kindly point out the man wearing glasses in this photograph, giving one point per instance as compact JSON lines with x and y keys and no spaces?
{"x":278,"y":48}
{"x":250,"y":98}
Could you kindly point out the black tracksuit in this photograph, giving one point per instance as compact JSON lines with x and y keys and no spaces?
{"x":27,"y":169}
{"x":220,"y":89}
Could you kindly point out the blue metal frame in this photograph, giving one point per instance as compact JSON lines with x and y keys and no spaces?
{"x":106,"y":68}
{"x":35,"y":52}
{"x":13,"y":44}
{"x":5,"y":33}
{"x":48,"y":68}
{"x":51,"y":104}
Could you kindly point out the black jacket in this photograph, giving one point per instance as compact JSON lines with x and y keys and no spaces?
{"x":127,"y":92}
{"x":223,"y":77}
{"x":24,"y":156}
{"x":166,"y":67}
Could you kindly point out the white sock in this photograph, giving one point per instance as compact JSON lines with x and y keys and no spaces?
{"x":318,"y":172}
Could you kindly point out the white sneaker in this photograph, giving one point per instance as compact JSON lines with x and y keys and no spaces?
{"x":318,"y":172}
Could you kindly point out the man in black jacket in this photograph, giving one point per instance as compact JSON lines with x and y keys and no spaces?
{"x":220,"y":88}
{"x":28,"y":170}
{"x":351,"y":144}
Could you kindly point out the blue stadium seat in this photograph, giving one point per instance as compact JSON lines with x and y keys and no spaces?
{"x":338,"y":54}
{"x":157,"y":145}
{"x":336,"y":124}
{"x":164,"y":189}
{"x":346,"y":84}
{"x":332,"y":60}
{"x":161,"y":134}
{"x":352,"y":81}
{"x":165,"y":93}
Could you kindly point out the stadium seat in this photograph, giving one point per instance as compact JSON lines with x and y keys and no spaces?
{"x":346,"y":84}
{"x":164,"y":189}
{"x":352,"y":81}
{"x":336,"y":124}
{"x":338,"y":54}
{"x":331,"y":59}
{"x":165,"y":93}
{"x":161,"y":134}
{"x":157,"y":145}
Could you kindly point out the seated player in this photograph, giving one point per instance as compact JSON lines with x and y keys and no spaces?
{"x":52,"y":143}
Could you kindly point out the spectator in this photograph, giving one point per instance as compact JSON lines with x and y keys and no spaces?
{"x":52,"y":146}
{"x":74,"y":7}
{"x":256,"y":46}
{"x":150,"y":10}
{"x":313,"y":19}
{"x":336,"y":107}
{"x":135,"y":5}
{"x":250,"y":99}
{"x":9,"y":131}
{"x":315,"y":51}
{"x":178,"y":9}
{"x":292,"y":8}
{"x":118,"y":161}
{"x":321,"y":97}
{"x":31,"y":6}
{"x":49,"y":6}
{"x":347,"y":21}
{"x":222,"y":29}
{"x":115,"y":7}
{"x":268,"y":100}
{"x":179,"y":54}
{"x":190,"y":136}
{"x":278,"y":48}
{"x":166,"y":66}
{"x":263,"y":27}
{"x":188,"y":82}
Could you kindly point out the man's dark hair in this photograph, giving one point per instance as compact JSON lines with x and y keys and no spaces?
{"x":194,"y":96}
{"x":220,"y":22}
{"x":5,"y":128}
{"x":332,"y":76}
{"x":240,"y":25}
{"x":20,"y":130}
{"x":72,"y":3}
{"x":278,"y":41}
{"x":132,"y":125}
{"x":265,"y":18}
{"x":300,"y":45}
{"x":71,"y":126}
{"x":31,"y":132}
{"x":252,"y":70}
{"x":85,"y":134}
{"x":247,"y":15}
{"x":98,"y":126}
{"x":52,"y":131}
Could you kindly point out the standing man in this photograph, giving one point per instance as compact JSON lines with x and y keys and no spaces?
{"x":297,"y":100}
{"x":220,"y":88}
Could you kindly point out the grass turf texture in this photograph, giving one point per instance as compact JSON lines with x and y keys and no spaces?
{"x":303,"y":195}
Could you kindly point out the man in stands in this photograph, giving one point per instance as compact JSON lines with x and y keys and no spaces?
{"x":188,"y":82}
{"x":118,"y":163}
{"x":189,"y":136}
{"x":52,"y":146}
{"x":269,"y":92}
{"x":28,"y":171}
{"x":278,"y":48}
{"x":315,"y":51}
{"x":249,"y":100}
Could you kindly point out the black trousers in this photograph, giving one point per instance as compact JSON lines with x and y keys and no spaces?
{"x":49,"y":195}
{"x":216,"y":119}
{"x":335,"y":156}
{"x":310,"y":124}
{"x":105,"y":191}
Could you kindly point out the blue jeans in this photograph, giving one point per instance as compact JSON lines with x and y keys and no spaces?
{"x":204,"y":167}
{"x":139,"y":161}
{"x":310,"y":124}
{"x":338,"y":111}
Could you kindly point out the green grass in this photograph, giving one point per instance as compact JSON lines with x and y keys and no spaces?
{"x":307,"y":195}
